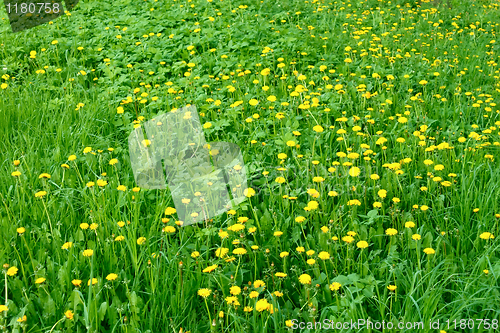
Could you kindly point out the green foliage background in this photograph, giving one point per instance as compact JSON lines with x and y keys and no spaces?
{"x":64,"y":97}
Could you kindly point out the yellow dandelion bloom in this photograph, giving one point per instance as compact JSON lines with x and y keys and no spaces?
{"x":486,"y":235}
{"x":67,"y":245}
{"x":324,"y":255}
{"x":239,"y":251}
{"x":111,"y":277}
{"x":40,"y":280}
{"x":210,"y":268}
{"x":409,"y":224}
{"x":305,"y":279}
{"x":12,"y":271}
{"x":249,"y":192}
{"x":318,"y":129}
{"x":235,"y":290}
{"x":68,"y":314}
{"x":362,"y":244}
{"x":262,"y":305}
{"x":354,"y":171}
{"x":335,"y":286}
{"x":429,"y":250}
{"x":391,"y":232}
{"x":169,"y":229}
{"x":40,"y":194}
{"x":170,"y":211}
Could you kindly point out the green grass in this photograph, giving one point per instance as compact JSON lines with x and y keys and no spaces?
{"x":409,"y":116}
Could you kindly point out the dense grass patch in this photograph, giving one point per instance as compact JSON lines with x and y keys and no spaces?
{"x":370,"y":131}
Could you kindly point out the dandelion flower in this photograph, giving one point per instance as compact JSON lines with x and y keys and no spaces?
{"x":429,"y":250}
{"x":170,"y":211}
{"x":235,"y":290}
{"x":324,"y":255}
{"x":335,"y":286}
{"x":204,"y":292}
{"x":354,"y":171}
{"x":409,"y":224}
{"x":67,"y":245}
{"x":249,"y":192}
{"x":68,"y":314}
{"x":312,"y":204}
{"x":12,"y":271}
{"x":210,"y":269}
{"x":259,"y":283}
{"x":239,"y":251}
{"x":348,"y":239}
{"x":280,"y":180}
{"x":486,"y":235}
{"x":40,"y":194}
{"x":300,"y":219}
{"x":40,"y":280}
{"x":362,"y":244}
{"x":262,"y":305}
{"x":391,"y":232}
{"x":169,"y":229}
{"x":318,"y":129}
{"x":305,"y":279}
{"x":102,"y":182}
{"x":111,"y":277}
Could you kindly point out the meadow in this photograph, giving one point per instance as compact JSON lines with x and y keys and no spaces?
{"x":369,"y":130}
